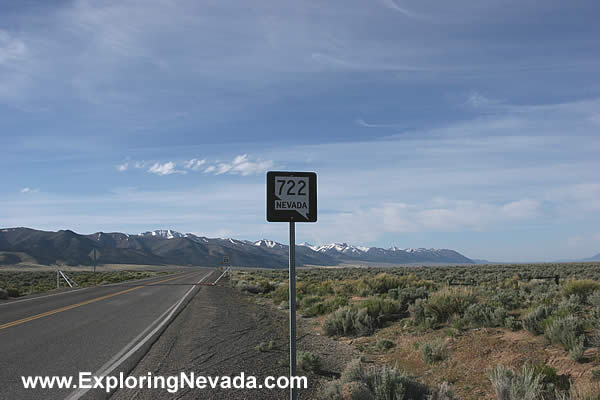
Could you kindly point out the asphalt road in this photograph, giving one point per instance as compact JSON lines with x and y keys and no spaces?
{"x":98,"y":330}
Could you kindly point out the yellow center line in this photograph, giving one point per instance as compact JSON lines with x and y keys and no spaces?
{"x":83,"y":303}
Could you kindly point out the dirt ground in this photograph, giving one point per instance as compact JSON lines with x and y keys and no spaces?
{"x":471,"y":354}
{"x":218,"y":333}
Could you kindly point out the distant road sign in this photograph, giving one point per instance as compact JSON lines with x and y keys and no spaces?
{"x":291,"y":196}
{"x":94,"y":254}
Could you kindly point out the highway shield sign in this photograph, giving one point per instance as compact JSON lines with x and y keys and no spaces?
{"x":291,"y":196}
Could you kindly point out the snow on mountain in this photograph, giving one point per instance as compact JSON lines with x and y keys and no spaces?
{"x":393,"y":254}
{"x":268,"y":243}
{"x":342,"y":248}
{"x":164,"y":233}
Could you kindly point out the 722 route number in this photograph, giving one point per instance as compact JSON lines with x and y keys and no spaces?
{"x":292,"y":184}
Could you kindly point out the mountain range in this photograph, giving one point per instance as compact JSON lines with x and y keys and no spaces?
{"x":168,"y":247}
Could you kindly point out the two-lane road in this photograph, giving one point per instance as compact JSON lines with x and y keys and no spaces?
{"x":98,"y":330}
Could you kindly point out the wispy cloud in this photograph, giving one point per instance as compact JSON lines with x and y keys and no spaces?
{"x":404,"y":11}
{"x":477,"y":100}
{"x":29,"y":190}
{"x":242,"y":165}
{"x":365,"y":124}
{"x":167,"y":168}
{"x":194,"y":164}
{"x":11,"y":48}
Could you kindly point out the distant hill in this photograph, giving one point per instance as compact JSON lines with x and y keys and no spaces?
{"x":162,"y":247}
{"x":595,"y":258}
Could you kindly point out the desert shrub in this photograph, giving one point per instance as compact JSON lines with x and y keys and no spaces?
{"x":417,"y":310}
{"x":281,"y":293}
{"x":312,"y":305}
{"x":259,"y":287}
{"x":409,"y":294}
{"x":508,"y":299}
{"x":381,"y":283}
{"x":482,"y":315}
{"x":382,"y":309}
{"x":577,"y":349}
{"x":381,"y":383}
{"x":594,"y":299}
{"x":568,"y":306}
{"x":434,"y":351}
{"x":566,"y":331}
{"x":12,"y":292}
{"x":551,"y":381}
{"x":448,"y":301}
{"x":356,"y":391}
{"x":388,"y":383}
{"x":508,"y":385}
{"x":265,"y":346}
{"x":335,"y":302}
{"x":353,"y":372}
{"x":513,"y":324}
{"x":332,"y":391}
{"x":384,"y":344}
{"x":349,"y":321}
{"x":442,"y":392}
{"x":582,"y":391}
{"x":309,"y":362}
{"x":533,"y":321}
{"x":580,"y":287}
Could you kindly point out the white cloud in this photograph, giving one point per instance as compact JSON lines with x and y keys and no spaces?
{"x":123,"y":167}
{"x":194,"y":164}
{"x":167,"y":168}
{"x":452,"y":216}
{"x":29,"y":190}
{"x":241,"y":165}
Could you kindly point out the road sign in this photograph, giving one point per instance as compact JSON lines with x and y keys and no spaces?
{"x":94,"y":254}
{"x":291,"y":196}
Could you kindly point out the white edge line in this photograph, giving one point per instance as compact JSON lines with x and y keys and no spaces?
{"x":107,"y":369}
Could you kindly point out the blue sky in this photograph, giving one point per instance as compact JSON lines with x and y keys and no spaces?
{"x":466,"y":125}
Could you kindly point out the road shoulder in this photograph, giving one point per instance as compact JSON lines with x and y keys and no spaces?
{"x":220,"y":333}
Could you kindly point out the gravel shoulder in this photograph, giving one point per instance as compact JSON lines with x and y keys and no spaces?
{"x":218,"y":334}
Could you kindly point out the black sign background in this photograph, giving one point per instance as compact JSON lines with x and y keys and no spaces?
{"x":274,"y":215}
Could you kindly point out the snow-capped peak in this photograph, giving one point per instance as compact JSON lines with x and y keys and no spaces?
{"x":267,"y":243}
{"x":341,"y":248}
{"x":164,"y":233}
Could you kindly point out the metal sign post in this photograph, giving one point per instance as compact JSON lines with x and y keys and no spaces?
{"x":292,"y":304}
{"x":292,"y":197}
{"x":94,"y":255}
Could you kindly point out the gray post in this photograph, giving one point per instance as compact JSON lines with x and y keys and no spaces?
{"x":57,"y":280}
{"x":292,"y":304}
{"x":95,"y":280}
